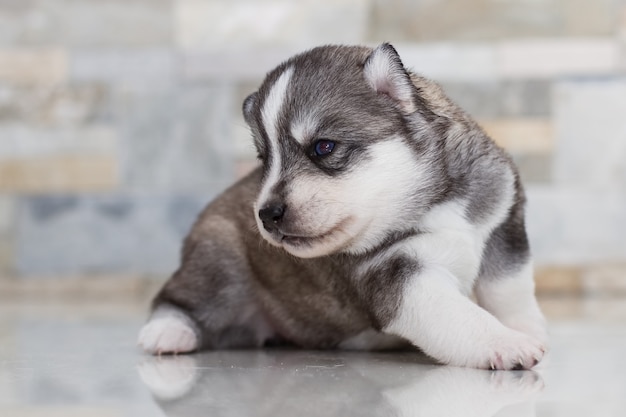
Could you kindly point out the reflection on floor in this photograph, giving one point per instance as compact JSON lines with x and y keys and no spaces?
{"x":81,"y":361}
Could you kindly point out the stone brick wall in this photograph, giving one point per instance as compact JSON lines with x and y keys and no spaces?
{"x":119,"y":120}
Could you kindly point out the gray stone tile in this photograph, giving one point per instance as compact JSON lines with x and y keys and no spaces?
{"x":242,"y":137}
{"x":8,"y":216}
{"x":534,"y":168}
{"x":480,"y":99}
{"x":144,"y":66}
{"x":7,"y":213}
{"x":502,"y":99}
{"x":7,"y":258}
{"x":236,"y":63}
{"x":451,"y":61}
{"x":551,"y":58}
{"x":86,"y":23}
{"x":576,"y":226}
{"x":213,"y":24}
{"x":526,"y":98}
{"x":21,"y":141}
{"x":176,"y":139}
{"x":591,"y":133}
{"x":129,"y":233}
{"x":60,"y":105}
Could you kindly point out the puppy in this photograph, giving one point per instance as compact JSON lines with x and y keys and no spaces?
{"x":379,"y":207}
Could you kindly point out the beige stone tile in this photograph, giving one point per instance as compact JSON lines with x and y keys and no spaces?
{"x":605,"y":279}
{"x":56,"y":106}
{"x":560,"y":307}
{"x":78,"y":290}
{"x":545,"y":58}
{"x":559,"y":280}
{"x":33,"y":66}
{"x":465,"y":20}
{"x":59,"y":173}
{"x":594,"y":309}
{"x":521,"y":135}
{"x":59,"y":411}
{"x":585,"y":18}
{"x":621,"y":35}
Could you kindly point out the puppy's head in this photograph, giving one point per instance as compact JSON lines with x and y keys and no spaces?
{"x":335,"y":128}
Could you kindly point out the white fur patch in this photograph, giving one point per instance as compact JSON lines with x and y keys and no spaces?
{"x":367,"y":203}
{"x":269,"y":114}
{"x":168,"y":331}
{"x":453,"y":242}
{"x":450,"y":241}
{"x":303,"y":128}
{"x":445,"y":324}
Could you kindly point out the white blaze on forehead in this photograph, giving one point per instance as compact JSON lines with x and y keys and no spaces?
{"x":303,"y":128}
{"x":274,"y":103}
{"x":269,"y":114}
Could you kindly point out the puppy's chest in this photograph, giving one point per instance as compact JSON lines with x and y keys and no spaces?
{"x":310,"y":302}
{"x":458,"y":251}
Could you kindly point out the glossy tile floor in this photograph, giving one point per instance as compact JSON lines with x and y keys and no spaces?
{"x":81,"y":361}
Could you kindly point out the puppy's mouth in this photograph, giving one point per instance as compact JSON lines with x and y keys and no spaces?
{"x":295,"y":240}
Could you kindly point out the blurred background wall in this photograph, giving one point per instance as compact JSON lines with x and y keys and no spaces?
{"x":120,"y":119}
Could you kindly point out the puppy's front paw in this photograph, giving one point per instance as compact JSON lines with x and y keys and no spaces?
{"x":513,"y":350}
{"x":167,"y":335}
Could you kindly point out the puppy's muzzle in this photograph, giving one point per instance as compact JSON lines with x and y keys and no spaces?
{"x":271,"y":216}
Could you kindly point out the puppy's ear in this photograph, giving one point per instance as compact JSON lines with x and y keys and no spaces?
{"x":386,"y":75}
{"x":248,"y":107}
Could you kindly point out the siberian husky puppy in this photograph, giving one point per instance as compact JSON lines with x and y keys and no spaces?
{"x":378,"y":209}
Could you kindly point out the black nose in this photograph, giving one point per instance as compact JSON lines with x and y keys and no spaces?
{"x":271,"y":214}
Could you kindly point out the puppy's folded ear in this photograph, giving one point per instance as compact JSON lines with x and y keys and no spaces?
{"x":385,"y":73}
{"x":248,"y":107}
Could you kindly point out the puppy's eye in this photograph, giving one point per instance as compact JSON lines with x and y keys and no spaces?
{"x":323,"y":147}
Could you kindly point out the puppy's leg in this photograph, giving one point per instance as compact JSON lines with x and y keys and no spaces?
{"x":505,"y":285}
{"x":435,"y":316}
{"x":511,"y":299}
{"x":207,"y":304}
{"x":169,"y":330}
